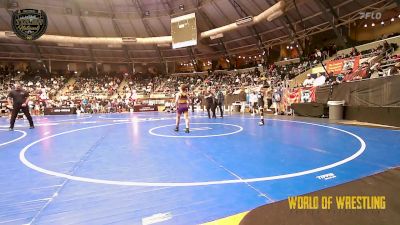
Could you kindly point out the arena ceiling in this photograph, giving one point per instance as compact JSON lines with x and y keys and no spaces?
{"x":147,"y":18}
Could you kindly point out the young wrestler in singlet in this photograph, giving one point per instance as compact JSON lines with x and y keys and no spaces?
{"x":182,"y":104}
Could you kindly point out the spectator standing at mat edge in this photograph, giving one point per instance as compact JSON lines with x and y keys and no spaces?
{"x":209,"y":100}
{"x":276,"y":99}
{"x":220,"y":101}
{"x":20,"y":99}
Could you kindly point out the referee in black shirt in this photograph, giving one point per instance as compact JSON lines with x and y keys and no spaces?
{"x":19,"y":102}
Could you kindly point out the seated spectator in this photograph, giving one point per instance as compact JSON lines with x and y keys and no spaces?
{"x":331,"y":78}
{"x":340,"y":78}
{"x":394,"y":69}
{"x":354,"y":52}
{"x":358,"y":76}
{"x":309,"y":81}
{"x":365,"y":71}
{"x":377,"y":71}
{"x":320,"y":80}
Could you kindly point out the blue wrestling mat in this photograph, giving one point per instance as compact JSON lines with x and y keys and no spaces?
{"x":134,"y":169}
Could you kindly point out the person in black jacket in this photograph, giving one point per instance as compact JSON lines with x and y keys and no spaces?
{"x":260,"y":103}
{"x":210,"y":103}
{"x":192,"y":101}
{"x":220,"y":101}
{"x":19,"y":102}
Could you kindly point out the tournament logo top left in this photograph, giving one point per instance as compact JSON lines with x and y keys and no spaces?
{"x":29,"y":24}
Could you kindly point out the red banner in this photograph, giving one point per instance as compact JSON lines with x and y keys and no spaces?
{"x":299,"y":95}
{"x":343,"y":65}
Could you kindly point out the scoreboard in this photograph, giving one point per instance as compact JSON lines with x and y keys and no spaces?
{"x":184,"y":31}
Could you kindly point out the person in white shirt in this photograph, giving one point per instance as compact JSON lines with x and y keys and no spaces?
{"x":237,"y":80}
{"x":393,"y":70}
{"x":253,"y":102}
{"x":320,"y":80}
{"x":309,"y":81}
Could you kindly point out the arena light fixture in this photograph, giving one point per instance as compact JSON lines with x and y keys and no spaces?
{"x":275,"y":15}
{"x":68,"y":11}
{"x":12,"y":5}
{"x":382,"y":23}
{"x":373,"y":24}
{"x":66,"y":44}
{"x":114,"y":46}
{"x":365,"y":25}
{"x":220,"y":35}
{"x":163,"y":45}
{"x":129,"y":39}
{"x":392,"y":20}
{"x":244,"y":20}
{"x":10,"y":34}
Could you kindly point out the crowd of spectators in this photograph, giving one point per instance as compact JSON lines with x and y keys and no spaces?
{"x":378,"y":62}
{"x":116,"y":92}
{"x":103,"y":85}
{"x":41,"y":85}
{"x":7,"y":75}
{"x":384,"y":48}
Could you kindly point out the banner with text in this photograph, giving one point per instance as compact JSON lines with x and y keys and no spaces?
{"x":342,"y":65}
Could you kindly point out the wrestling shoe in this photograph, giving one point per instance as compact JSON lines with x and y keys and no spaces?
{"x":187,"y":130}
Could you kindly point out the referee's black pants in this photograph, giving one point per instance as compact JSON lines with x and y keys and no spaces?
{"x":15,"y":112}
{"x":220,"y":106}
{"x":212,"y":108}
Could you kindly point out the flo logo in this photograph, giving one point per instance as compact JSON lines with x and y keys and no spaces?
{"x":29,"y":24}
{"x":370,"y":15}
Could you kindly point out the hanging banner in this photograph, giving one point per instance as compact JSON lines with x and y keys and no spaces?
{"x":307,"y":94}
{"x":342,"y":65}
